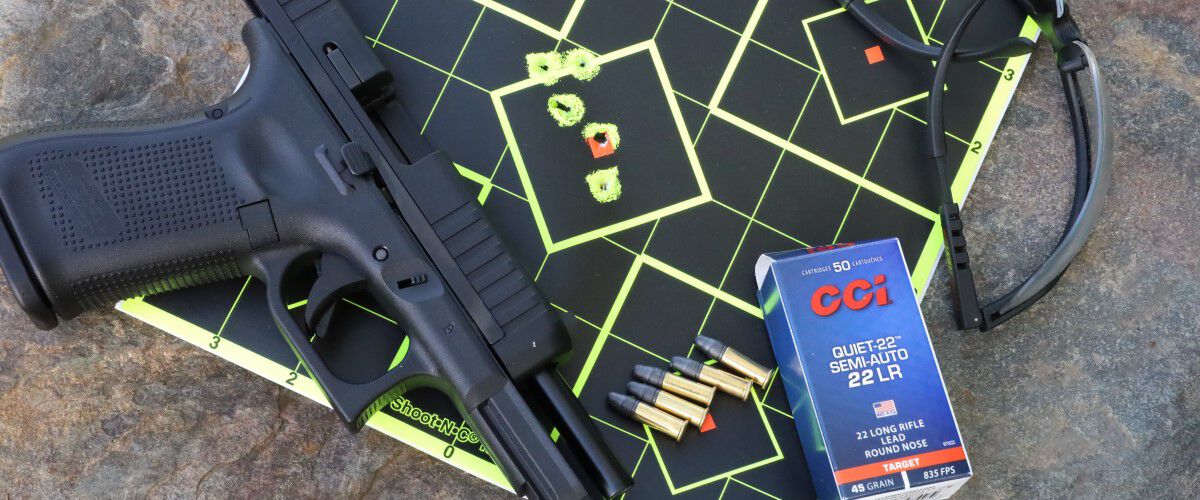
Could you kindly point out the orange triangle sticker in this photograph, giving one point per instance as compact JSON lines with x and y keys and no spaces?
{"x":709,"y":424}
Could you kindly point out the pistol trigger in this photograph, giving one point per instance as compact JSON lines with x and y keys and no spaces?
{"x":321,"y":328}
{"x":336,"y":278}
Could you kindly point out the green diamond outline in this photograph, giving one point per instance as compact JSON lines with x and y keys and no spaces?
{"x":837,"y":107}
{"x":641,"y":262}
{"x":548,"y":241}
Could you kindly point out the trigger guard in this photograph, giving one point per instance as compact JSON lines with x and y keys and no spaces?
{"x":355,"y":403}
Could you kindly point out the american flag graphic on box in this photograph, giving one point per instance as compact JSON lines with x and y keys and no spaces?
{"x":884,"y":408}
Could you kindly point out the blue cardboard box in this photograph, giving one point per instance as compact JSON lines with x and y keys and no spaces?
{"x":860,"y":373}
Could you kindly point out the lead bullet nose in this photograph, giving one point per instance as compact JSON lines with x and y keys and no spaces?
{"x":648,"y":374}
{"x":642,"y":391}
{"x":711,"y":347}
{"x":622,"y":403}
{"x":686,"y":366}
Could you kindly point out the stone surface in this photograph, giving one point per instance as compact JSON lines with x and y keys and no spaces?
{"x":1093,"y":390}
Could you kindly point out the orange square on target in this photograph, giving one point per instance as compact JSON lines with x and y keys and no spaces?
{"x":874,"y":54}
{"x":600,"y":149}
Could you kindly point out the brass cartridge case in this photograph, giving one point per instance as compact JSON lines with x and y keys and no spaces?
{"x":690,"y":389}
{"x":660,"y":420}
{"x":673,"y":383}
{"x":646,"y":413}
{"x":681,"y":408}
{"x":668,"y":402}
{"x":740,"y":364}
{"x":721,"y":379}
{"x":729,"y":383}
{"x":737,"y":362}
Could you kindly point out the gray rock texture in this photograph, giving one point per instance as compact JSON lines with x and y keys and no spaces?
{"x":1093,"y":392}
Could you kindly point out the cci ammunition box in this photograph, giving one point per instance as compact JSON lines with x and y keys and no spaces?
{"x":865,"y":389}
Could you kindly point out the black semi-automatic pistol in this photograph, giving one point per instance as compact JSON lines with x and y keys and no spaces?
{"x":310,"y":169}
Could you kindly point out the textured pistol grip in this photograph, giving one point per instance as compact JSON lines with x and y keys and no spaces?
{"x":113,"y":214}
{"x":96,"y":214}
